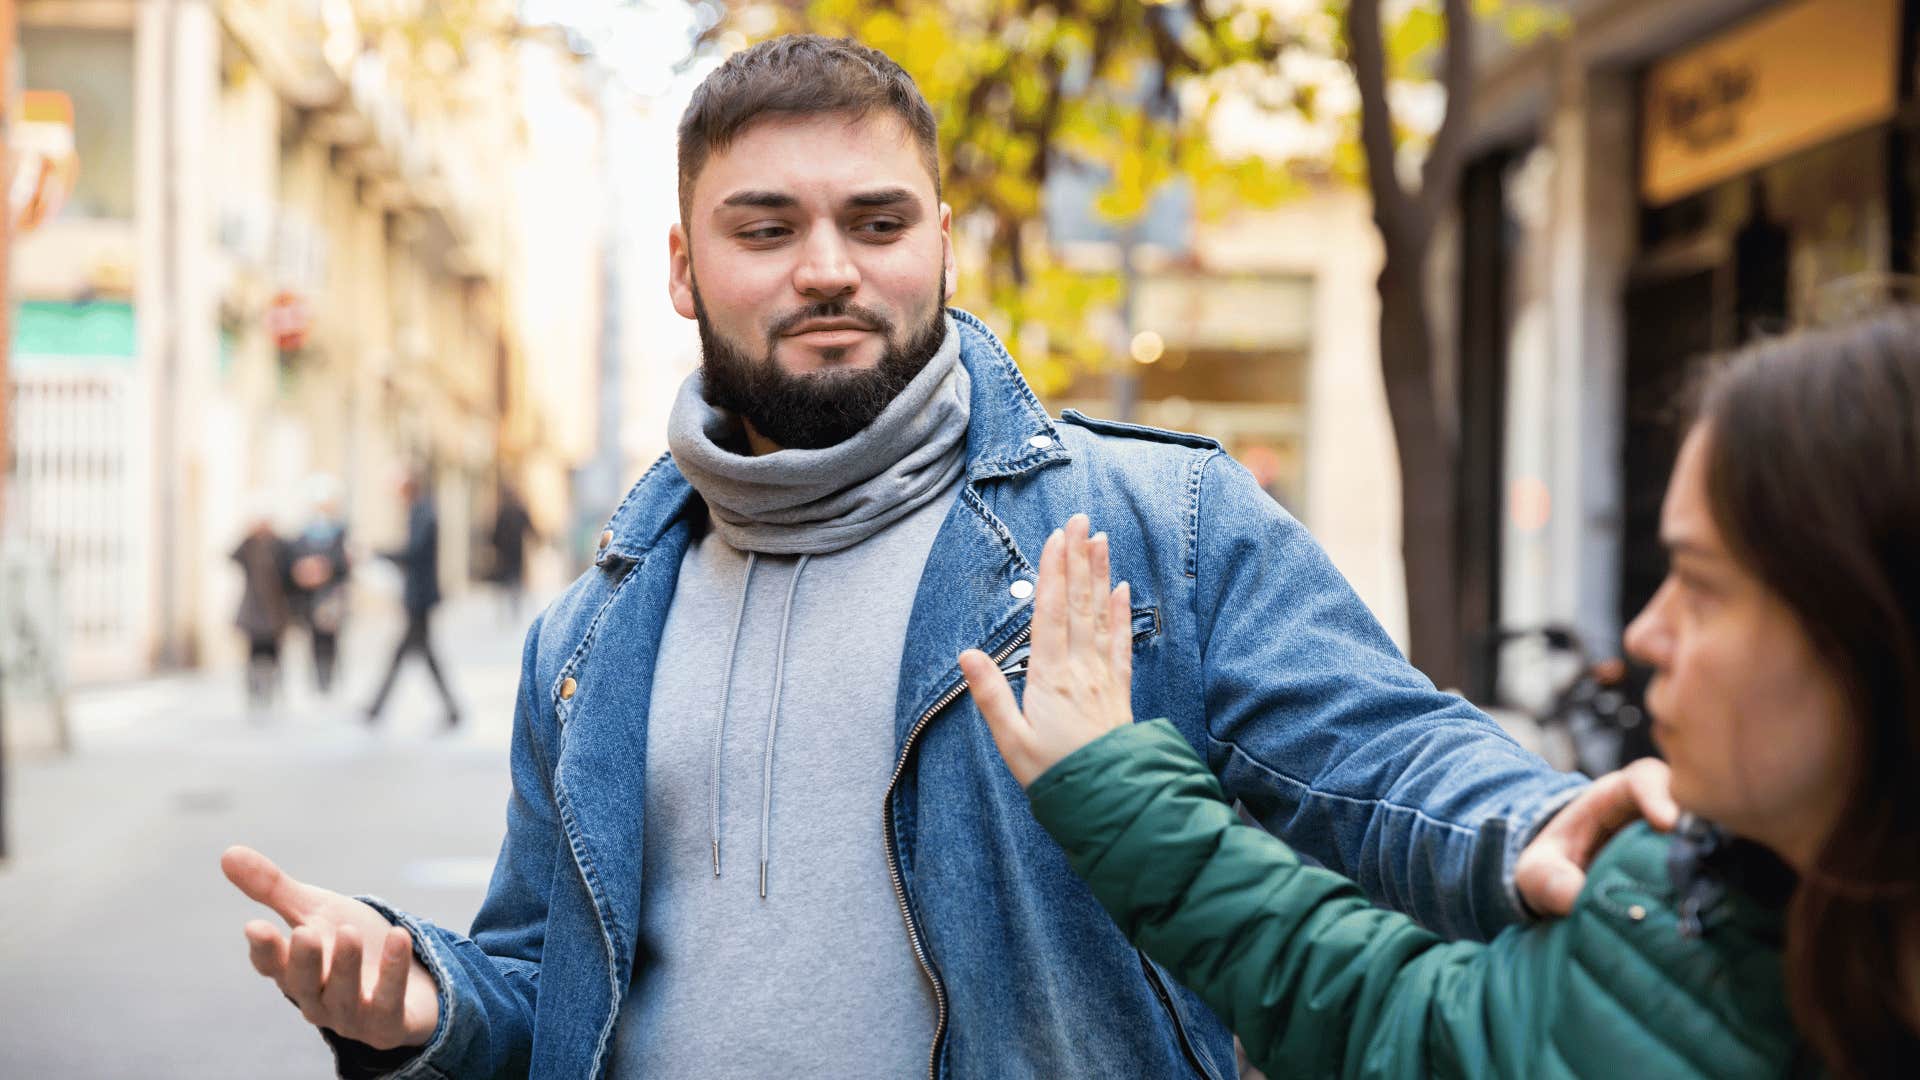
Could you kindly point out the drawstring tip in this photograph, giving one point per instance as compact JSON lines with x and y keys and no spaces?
{"x":716,"y":858}
{"x":763,"y":879}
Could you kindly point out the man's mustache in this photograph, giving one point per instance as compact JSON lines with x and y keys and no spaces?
{"x":832,"y":309}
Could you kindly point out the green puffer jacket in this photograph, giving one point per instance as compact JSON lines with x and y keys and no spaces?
{"x":1642,"y":980}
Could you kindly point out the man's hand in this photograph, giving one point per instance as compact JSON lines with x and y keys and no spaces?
{"x":1553,"y":868}
{"x":345,"y":967}
{"x":1080,"y":673}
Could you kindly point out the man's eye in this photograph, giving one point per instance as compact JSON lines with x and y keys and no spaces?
{"x":769,"y":232}
{"x":881,"y":227}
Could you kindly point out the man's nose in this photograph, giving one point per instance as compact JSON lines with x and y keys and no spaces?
{"x":826,"y":269}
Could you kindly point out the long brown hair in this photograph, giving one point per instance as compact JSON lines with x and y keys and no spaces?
{"x":1814,"y":478}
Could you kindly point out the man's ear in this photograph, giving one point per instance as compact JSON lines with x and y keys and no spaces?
{"x":950,"y":267}
{"x":680,"y":271}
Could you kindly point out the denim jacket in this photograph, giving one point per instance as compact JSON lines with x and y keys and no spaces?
{"x":1244,"y":636}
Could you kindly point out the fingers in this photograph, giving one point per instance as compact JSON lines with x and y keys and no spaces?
{"x":265,"y":883}
{"x":390,"y":982}
{"x":1050,"y":601}
{"x":340,"y":996}
{"x":1554,"y":888}
{"x":1120,"y":639}
{"x":1609,"y":804}
{"x":304,"y":973}
{"x":1100,"y":576}
{"x":1552,"y":870}
{"x":1652,"y":784}
{"x":1082,"y":606}
{"x":992,"y":695}
{"x":266,"y":948}
{"x":331,"y":991}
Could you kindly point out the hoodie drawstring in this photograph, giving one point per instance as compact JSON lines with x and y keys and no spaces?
{"x":773,"y":723}
{"x":726,"y":698}
{"x":773,"y":716}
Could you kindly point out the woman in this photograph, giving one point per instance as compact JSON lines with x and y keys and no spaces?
{"x":1782,"y":940}
{"x":320,"y":571}
{"x":266,"y":580}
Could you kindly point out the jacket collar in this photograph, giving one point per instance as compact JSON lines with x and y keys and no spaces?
{"x":1008,"y":434}
{"x":1718,"y":877}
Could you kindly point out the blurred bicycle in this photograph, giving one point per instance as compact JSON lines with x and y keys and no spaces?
{"x":1595,"y":712}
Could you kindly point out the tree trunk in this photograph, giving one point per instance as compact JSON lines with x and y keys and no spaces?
{"x":1427,"y":474}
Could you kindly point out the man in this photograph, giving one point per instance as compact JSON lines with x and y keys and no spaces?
{"x":757,"y":828}
{"x":419,"y":563}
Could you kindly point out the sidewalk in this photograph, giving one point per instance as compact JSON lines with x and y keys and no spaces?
{"x":475,"y":641}
{"x":120,"y":946}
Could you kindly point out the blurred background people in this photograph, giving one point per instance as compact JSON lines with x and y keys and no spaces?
{"x":266,"y":570}
{"x":320,"y":573}
{"x":419,"y":563}
{"x":512,"y":528}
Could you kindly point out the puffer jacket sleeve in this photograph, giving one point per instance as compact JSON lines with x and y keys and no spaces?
{"x":1314,"y":979}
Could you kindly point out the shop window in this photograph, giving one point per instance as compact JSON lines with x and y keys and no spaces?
{"x":95,"y":69}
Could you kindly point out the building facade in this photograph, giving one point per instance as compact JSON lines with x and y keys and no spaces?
{"x":298,"y":248}
{"x":1261,"y":330}
{"x":1664,"y":181}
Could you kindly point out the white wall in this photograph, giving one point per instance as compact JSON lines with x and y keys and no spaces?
{"x":1352,"y":489}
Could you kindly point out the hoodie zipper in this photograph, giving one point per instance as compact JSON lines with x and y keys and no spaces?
{"x":893,"y":856}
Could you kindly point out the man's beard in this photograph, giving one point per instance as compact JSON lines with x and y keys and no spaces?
{"x":817,"y":409}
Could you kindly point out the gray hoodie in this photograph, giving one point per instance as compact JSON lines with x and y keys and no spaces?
{"x":771,"y":940}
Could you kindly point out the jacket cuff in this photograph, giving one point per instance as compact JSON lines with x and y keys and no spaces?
{"x":355,"y":1060}
{"x":1121,"y":742}
{"x":1526,"y":826}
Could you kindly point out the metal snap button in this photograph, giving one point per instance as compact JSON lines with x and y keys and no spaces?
{"x":1040,"y":442}
{"x":1636,"y":913}
{"x":1021,"y":589}
{"x":567,"y":687}
{"x":606,"y":538}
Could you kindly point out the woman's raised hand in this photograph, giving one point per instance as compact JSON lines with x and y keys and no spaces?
{"x":1080,"y":671}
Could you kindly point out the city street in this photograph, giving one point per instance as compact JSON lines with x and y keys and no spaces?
{"x":121,"y":952}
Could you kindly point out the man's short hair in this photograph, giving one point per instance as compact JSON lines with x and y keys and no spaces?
{"x":799,"y":74}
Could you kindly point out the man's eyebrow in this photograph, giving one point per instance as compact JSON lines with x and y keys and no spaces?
{"x":867,"y":200}
{"x":765,"y":200}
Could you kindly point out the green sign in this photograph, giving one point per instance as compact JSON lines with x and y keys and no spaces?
{"x":58,"y":334}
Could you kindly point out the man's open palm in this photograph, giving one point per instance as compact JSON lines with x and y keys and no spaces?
{"x":347,"y":968}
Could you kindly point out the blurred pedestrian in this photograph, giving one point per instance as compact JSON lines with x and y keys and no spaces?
{"x":266,"y":585}
{"x":1775,"y":933}
{"x":320,"y":570}
{"x":512,"y":528}
{"x":419,"y":563}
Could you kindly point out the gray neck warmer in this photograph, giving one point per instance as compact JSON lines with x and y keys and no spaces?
{"x":815,"y":502}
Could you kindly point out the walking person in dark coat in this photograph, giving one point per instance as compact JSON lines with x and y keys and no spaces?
{"x":320,"y":569}
{"x":419,"y":563}
{"x":512,"y":528}
{"x":266,"y":572}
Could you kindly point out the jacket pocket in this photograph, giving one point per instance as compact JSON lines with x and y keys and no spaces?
{"x":1163,"y":990}
{"x":1146,"y":626}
